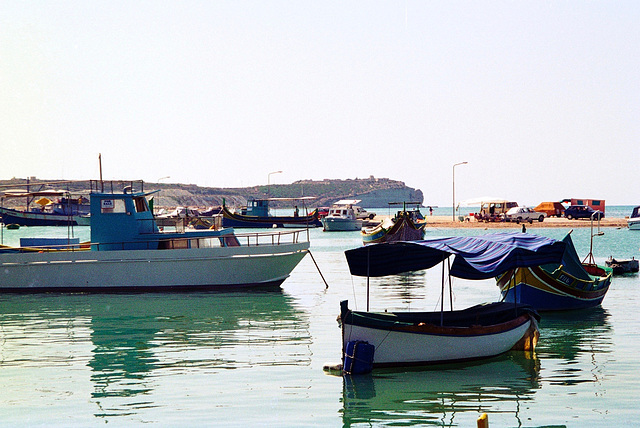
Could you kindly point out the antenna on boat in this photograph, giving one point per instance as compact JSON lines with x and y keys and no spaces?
{"x":591,"y":259}
{"x":100,"y":165}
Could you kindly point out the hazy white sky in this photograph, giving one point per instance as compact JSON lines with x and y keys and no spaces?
{"x":541,"y":98}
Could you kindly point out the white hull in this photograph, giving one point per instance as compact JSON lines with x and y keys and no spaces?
{"x":634,"y":223}
{"x":341,"y":224}
{"x":137,"y":270}
{"x":394,"y":348}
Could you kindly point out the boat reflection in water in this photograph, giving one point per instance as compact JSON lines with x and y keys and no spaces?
{"x":569,"y":337}
{"x":438,"y":396}
{"x":134,"y":345}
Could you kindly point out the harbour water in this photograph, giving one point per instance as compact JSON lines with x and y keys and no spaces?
{"x":255,"y":358}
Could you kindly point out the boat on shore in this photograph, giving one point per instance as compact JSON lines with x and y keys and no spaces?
{"x":407,"y":225}
{"x":342,"y":217}
{"x":389,"y":339}
{"x":256,"y":215}
{"x":128,"y":252}
{"x":568,"y":284}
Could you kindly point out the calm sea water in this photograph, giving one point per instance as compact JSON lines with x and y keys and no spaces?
{"x":256,"y":358}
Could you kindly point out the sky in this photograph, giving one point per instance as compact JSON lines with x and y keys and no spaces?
{"x":540,"y":98}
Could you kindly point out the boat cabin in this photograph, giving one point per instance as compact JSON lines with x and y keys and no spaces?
{"x":256,"y":207}
{"x":124,"y":221}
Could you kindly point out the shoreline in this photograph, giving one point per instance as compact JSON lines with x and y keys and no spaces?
{"x":447,"y":222}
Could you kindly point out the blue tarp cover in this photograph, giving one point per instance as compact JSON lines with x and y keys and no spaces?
{"x":475,"y":257}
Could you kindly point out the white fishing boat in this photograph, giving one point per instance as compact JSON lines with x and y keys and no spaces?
{"x":387,"y":339}
{"x":342,"y":216}
{"x":128,"y":252}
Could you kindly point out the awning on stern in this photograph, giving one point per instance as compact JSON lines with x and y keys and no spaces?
{"x":475,"y":257}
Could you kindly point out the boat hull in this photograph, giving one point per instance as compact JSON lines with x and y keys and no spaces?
{"x":150,"y":270}
{"x":634,"y":223}
{"x":425,"y":343}
{"x":552,"y":291}
{"x":402,"y":230}
{"x":24,"y":218}
{"x":336,"y":224}
{"x":230,"y":219}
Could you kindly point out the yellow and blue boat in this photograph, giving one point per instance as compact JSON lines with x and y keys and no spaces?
{"x":571,"y":284}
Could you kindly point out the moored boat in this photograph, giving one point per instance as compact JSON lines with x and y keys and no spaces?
{"x":61,"y":211}
{"x":633,"y":222}
{"x":256,"y":215}
{"x":406,"y":225}
{"x":568,"y":284}
{"x":423,"y":338}
{"x":622,"y":266}
{"x":128,"y":252}
{"x":342,"y":217}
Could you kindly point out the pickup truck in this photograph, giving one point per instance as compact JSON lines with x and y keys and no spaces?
{"x":363,"y":214}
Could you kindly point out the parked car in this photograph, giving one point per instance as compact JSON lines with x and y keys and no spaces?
{"x":519,"y":214}
{"x":582,"y":211}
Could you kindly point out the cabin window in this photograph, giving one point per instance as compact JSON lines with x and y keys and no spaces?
{"x":141,"y":204}
{"x":596,"y":203}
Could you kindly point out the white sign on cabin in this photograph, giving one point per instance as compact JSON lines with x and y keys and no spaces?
{"x":107,"y":205}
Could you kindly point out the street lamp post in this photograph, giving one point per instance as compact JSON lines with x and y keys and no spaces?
{"x":454,"y":188}
{"x":269,"y":180}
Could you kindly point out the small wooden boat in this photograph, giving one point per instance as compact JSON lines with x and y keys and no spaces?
{"x":407,"y":225}
{"x":622,"y":266}
{"x":568,"y":284}
{"x":422,"y":338}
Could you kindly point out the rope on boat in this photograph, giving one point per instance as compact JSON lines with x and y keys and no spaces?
{"x":317,"y":267}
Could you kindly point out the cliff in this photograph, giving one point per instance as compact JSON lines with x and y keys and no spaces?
{"x":374,"y":192}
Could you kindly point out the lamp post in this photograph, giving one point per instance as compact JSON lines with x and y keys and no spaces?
{"x":269,"y":180}
{"x":454,"y":188}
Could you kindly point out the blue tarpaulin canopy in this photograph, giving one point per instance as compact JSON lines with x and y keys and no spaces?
{"x":476,"y":257}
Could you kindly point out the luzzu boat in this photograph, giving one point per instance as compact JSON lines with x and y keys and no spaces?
{"x":407,"y":225}
{"x":128,"y":252}
{"x":61,"y":212}
{"x":569,"y":284}
{"x":421,"y":338}
{"x":256,"y":215}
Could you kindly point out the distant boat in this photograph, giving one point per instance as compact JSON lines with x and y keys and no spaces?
{"x":392,"y":338}
{"x":342,"y":217}
{"x":634,"y":221}
{"x":256,"y":215}
{"x":62,"y":211}
{"x":128,"y":252}
{"x":406,"y":225}
{"x":622,"y":266}
{"x":568,"y":284}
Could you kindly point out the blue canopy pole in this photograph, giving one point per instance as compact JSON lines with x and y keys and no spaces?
{"x":368,"y":252}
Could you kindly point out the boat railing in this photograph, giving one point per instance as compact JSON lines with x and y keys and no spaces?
{"x":115,"y":186}
{"x":249,"y":239}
